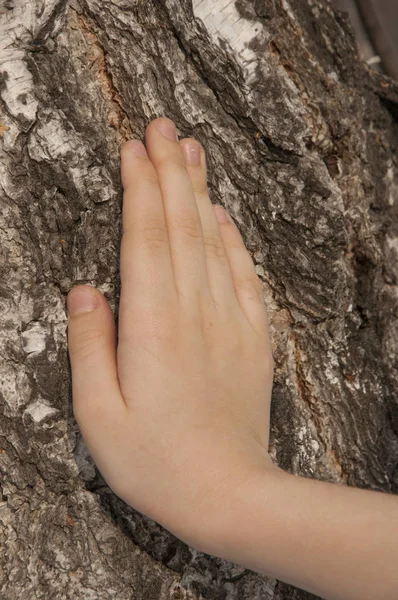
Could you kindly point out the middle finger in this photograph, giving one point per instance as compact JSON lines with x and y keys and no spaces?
{"x":181,"y":211}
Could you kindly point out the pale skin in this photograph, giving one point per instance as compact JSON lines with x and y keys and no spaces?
{"x":175,"y":407}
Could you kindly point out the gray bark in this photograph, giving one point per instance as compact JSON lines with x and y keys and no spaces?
{"x":301,"y":140}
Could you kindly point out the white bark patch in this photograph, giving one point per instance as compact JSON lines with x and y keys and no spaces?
{"x":392,"y":184}
{"x":224,"y":21}
{"x":17,"y":93}
{"x":15,"y":31}
{"x":40,"y":410}
{"x":18,"y":28}
{"x":392,"y":243}
{"x":248,"y":42}
{"x":34,"y":338}
{"x":288,"y":10}
{"x":50,"y":140}
{"x":10,"y":132}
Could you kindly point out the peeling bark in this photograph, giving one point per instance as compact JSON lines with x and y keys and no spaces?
{"x":301,"y":140}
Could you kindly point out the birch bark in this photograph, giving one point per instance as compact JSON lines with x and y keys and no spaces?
{"x":301,"y":140}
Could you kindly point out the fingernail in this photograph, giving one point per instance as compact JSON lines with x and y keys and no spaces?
{"x":221,"y":214}
{"x":192,"y":154}
{"x":82,"y":299}
{"x":168,"y":129}
{"x":136,"y":147}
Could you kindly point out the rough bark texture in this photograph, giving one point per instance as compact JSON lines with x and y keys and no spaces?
{"x":301,"y":140}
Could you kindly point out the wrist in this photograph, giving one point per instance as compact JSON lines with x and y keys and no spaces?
{"x":250,"y":504}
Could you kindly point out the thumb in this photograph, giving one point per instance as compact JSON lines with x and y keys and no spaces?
{"x":92,"y":350}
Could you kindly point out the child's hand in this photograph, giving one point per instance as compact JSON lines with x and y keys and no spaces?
{"x":177,"y":415}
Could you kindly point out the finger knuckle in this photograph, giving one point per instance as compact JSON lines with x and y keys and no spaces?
{"x":199,"y":186}
{"x":189,"y":225}
{"x":154,"y":234}
{"x":214,"y":246}
{"x":250,"y":286}
{"x":144,"y":176}
{"x":171,"y":166}
{"x":234,"y":244}
{"x":154,"y":322}
{"x":149,"y":176}
{"x":87,"y":344}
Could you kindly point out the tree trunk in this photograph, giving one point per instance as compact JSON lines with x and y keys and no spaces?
{"x":300,"y":137}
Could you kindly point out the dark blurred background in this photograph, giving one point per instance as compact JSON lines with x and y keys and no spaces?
{"x":376,"y":26}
